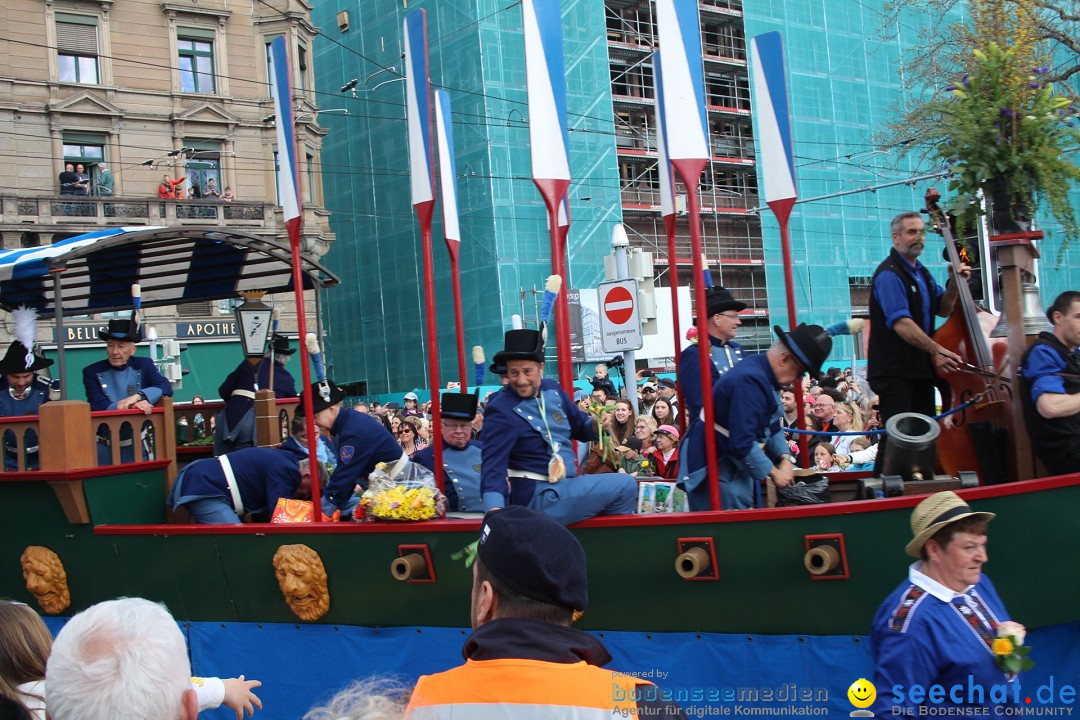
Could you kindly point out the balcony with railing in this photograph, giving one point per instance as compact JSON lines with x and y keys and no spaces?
{"x":114,"y":210}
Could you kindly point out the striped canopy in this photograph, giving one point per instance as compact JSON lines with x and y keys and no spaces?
{"x":171,"y":264}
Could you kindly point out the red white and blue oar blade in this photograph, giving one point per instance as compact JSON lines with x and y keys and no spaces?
{"x":772,"y":113}
{"x":447,"y":175}
{"x":546,"y":82}
{"x":663,"y":164}
{"x":418,"y":108}
{"x":683,"y":91}
{"x":280,"y":90}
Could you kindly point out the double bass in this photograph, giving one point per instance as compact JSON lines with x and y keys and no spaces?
{"x":977,"y":437}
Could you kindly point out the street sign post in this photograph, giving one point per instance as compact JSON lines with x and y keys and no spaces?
{"x":620,"y":322}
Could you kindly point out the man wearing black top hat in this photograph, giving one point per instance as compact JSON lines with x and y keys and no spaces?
{"x":749,"y":444}
{"x":529,"y":586}
{"x":528,"y":455}
{"x":235,"y":426}
{"x":462,"y":456}
{"x":123,"y":381}
{"x":362,"y":442}
{"x":22,"y":390}
{"x":723,"y":322}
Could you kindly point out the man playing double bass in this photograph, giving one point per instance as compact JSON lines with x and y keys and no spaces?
{"x":904,"y":298}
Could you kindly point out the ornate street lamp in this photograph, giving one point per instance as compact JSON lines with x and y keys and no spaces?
{"x":253,"y":323}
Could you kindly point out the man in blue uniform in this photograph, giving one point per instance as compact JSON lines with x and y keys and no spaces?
{"x":723,"y":321}
{"x":749,"y":443}
{"x":235,"y":427}
{"x":461,"y":455}
{"x":123,"y":382}
{"x":222,"y":489}
{"x":22,"y":391}
{"x":1050,"y":388}
{"x":528,"y":454}
{"x":361,"y":441}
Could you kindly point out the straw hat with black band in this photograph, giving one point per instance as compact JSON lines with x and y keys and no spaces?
{"x":936,"y":512}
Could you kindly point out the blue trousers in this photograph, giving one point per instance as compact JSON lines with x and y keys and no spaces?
{"x":328,"y":507}
{"x":212,"y":511}
{"x":578,"y":498}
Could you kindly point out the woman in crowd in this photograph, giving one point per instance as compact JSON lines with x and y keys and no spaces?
{"x":623,"y":421}
{"x":847,"y":418}
{"x":395,"y":424}
{"x":25,"y":644}
{"x":666,"y":456}
{"x":409,"y":435}
{"x":661,"y":412}
{"x":938,"y":628}
{"x":645,"y":431}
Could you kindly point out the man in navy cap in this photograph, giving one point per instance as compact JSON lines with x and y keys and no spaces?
{"x":529,"y":586}
{"x":462,"y":456}
{"x":528,"y":455}
{"x":22,"y":390}
{"x":123,"y":382}
{"x":362,"y":442}
{"x":223,"y":489}
{"x":722,"y":311}
{"x":235,"y":427}
{"x":749,"y":443}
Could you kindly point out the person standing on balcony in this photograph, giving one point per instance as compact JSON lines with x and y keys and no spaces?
{"x":68,"y":180}
{"x":123,"y":382}
{"x":82,"y":183}
{"x":210,"y":192}
{"x":105,"y":180}
{"x":22,"y":390}
{"x":169,"y":189}
{"x":235,"y":427}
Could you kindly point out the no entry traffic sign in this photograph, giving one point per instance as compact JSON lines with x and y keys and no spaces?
{"x":620,"y":324}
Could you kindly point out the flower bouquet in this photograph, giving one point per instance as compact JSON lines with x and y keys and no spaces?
{"x":411,"y":494}
{"x":1010,"y":653}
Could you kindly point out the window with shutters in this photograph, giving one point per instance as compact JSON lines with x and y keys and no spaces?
{"x":196,"y":50}
{"x":77,"y":49}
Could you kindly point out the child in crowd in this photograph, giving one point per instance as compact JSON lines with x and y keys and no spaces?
{"x":602,"y":381}
{"x":825,"y":458}
{"x":630,"y":460}
{"x":860,"y":443}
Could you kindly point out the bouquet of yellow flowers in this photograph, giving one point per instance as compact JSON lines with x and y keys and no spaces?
{"x":411,"y":494}
{"x":1010,"y":653}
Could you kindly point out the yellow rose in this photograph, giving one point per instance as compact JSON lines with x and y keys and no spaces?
{"x":1002,"y":646}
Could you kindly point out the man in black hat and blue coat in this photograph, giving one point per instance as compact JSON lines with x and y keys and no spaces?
{"x":235,"y":426}
{"x":462,"y":456}
{"x":22,"y":390}
{"x":362,"y":442}
{"x":722,"y":311}
{"x":528,"y":455}
{"x":123,"y":381}
{"x":749,"y":445}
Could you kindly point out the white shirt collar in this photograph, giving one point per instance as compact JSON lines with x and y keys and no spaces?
{"x":917,"y":577}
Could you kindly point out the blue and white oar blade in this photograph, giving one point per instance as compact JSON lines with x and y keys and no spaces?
{"x":546,"y":82}
{"x":773,"y":115}
{"x":418,"y":107}
{"x":447,"y":176}
{"x":686,"y":129}
{"x":280,"y":90}
{"x":663,"y":163}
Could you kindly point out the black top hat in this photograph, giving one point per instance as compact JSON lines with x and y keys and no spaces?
{"x":318,"y":402}
{"x":280,"y":345}
{"x":120,"y":329}
{"x":458,"y":406}
{"x":15,"y":360}
{"x":718,"y":300}
{"x":519,"y":345}
{"x":811,"y":345}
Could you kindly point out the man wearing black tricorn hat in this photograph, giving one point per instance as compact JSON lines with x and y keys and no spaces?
{"x":235,"y":427}
{"x":722,"y":311}
{"x":524,"y":658}
{"x":22,"y":390}
{"x":528,"y":456}
{"x":123,"y":381}
{"x":749,"y":446}
{"x":462,"y":456}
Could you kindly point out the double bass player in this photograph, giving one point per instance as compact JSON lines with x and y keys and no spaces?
{"x":904,"y":298}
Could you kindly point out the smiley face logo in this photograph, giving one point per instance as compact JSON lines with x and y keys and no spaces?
{"x":862,"y":693}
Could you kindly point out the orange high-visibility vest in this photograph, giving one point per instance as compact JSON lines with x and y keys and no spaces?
{"x":526,"y":689}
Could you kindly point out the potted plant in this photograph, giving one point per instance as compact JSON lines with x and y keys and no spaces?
{"x":1001,"y":127}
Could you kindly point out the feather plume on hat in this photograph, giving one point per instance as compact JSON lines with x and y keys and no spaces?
{"x":311,"y":342}
{"x":25,"y":331}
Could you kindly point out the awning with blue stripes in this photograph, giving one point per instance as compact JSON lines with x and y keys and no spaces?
{"x":171,"y":264}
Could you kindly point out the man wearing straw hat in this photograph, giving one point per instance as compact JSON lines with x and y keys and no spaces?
{"x":939,"y":626}
{"x":528,"y":456}
{"x":22,"y":390}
